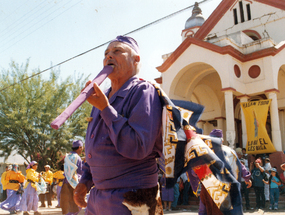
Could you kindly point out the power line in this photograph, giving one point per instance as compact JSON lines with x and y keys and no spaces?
{"x":16,"y":23}
{"x":12,"y":13}
{"x":40,"y":26}
{"x":25,"y":29}
{"x":138,"y":29}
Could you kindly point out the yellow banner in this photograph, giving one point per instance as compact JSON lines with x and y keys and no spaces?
{"x":255,"y":113}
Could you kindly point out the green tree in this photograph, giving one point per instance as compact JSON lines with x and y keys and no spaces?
{"x":28,"y":108}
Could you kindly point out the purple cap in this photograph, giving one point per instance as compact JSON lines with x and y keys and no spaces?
{"x":77,"y":143}
{"x":129,"y":41}
{"x":32,"y":164}
{"x":216,"y":133}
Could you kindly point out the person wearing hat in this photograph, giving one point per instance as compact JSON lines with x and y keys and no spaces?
{"x":30,"y":197}
{"x":15,"y":180}
{"x":123,"y":139}
{"x":258,"y":174}
{"x":48,"y":178}
{"x":233,"y":165}
{"x":5,"y":182}
{"x":274,"y":182}
{"x":72,"y":173}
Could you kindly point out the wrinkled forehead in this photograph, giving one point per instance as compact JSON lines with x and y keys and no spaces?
{"x":116,"y":44}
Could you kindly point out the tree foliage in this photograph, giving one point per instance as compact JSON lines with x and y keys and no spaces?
{"x":28,"y":108}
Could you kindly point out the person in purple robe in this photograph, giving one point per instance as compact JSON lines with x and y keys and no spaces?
{"x":123,"y":138}
{"x":72,"y":173}
{"x":207,"y":205}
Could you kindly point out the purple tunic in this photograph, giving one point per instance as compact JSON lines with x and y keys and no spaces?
{"x":124,"y":140}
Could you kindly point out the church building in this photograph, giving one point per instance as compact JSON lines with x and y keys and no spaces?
{"x":237,"y":55}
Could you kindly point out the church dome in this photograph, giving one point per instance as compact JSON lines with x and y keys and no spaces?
{"x":196,"y":19}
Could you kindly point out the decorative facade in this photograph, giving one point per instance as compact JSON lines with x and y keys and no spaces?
{"x":234,"y":56}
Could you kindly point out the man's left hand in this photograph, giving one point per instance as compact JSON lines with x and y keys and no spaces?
{"x":79,"y":194}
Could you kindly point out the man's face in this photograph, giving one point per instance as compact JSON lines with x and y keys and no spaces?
{"x":120,"y":56}
{"x":80,"y":149}
{"x":46,"y":169}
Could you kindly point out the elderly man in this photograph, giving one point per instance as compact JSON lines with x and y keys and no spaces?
{"x":48,"y":177}
{"x":123,"y":139}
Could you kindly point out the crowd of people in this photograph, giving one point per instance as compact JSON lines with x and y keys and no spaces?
{"x":23,"y":193}
{"x":265,"y":182}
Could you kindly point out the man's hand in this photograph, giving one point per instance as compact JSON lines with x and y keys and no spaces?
{"x":98,"y":98}
{"x":249,"y":183}
{"x":79,"y":194}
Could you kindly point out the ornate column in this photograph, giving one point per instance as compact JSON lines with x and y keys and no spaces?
{"x":282,"y":127}
{"x":230,"y":122}
{"x":220,"y":124}
{"x":275,"y":125}
{"x":243,"y":98}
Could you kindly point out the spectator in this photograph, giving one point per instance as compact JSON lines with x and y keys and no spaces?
{"x":30,"y":197}
{"x":176,"y":194}
{"x":15,"y":179}
{"x":267,"y":167}
{"x":186,"y":187}
{"x":258,"y":174}
{"x":4,"y":182}
{"x":274,"y":182}
{"x":245,"y":189}
{"x":48,"y":178}
{"x":167,"y":194}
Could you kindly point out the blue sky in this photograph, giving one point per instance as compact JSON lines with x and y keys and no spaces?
{"x":49,"y":32}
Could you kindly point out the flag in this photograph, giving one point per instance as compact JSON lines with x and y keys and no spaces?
{"x":184,"y":150}
{"x":255,"y":113}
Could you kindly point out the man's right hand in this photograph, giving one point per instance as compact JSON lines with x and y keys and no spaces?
{"x":79,"y":194}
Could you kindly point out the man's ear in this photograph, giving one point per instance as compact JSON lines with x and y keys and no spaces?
{"x":137,"y":58}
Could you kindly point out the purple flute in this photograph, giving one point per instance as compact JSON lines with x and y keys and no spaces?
{"x":81,"y":98}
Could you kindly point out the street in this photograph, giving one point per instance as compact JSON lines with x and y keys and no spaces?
{"x":193,"y":210}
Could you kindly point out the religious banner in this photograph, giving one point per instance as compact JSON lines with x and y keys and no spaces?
{"x":255,"y":113}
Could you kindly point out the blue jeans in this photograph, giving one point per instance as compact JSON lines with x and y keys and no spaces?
{"x":274,"y":196}
{"x":185,"y":192}
{"x":176,"y":195}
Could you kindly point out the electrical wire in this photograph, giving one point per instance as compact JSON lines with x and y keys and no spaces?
{"x":136,"y":30}
{"x":16,"y":36}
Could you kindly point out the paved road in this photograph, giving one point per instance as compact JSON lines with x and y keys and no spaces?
{"x":192,"y":211}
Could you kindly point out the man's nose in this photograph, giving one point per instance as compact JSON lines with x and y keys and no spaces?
{"x":109,"y":56}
